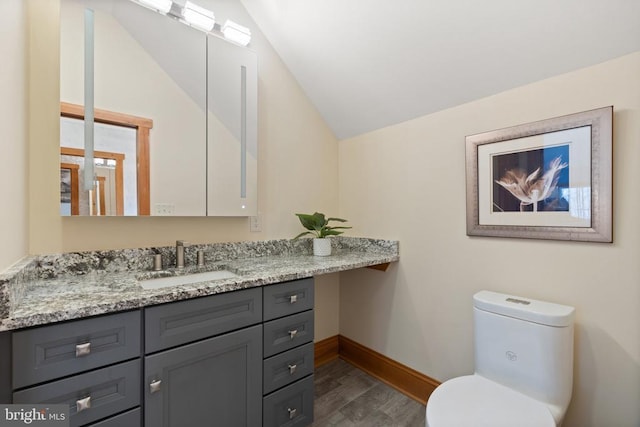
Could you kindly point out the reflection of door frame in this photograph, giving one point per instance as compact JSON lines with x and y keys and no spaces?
{"x":73,"y":168}
{"x":119,"y":159}
{"x":142,"y":126}
{"x":99,"y":186}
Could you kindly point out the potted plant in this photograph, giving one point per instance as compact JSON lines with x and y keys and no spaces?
{"x":319,"y":227}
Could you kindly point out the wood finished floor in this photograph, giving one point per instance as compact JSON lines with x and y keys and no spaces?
{"x":345,"y":396}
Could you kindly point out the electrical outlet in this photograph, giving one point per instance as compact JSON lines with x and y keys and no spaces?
{"x":255,"y":223}
{"x":165,"y":209}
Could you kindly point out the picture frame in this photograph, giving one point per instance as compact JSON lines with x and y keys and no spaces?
{"x":550,"y":179}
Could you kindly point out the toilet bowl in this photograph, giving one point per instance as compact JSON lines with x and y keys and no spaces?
{"x":476,"y":401}
{"x":523,"y":367}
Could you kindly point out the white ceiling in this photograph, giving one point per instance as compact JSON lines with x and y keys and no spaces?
{"x":367,"y":64}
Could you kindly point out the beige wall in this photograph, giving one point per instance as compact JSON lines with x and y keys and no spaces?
{"x":295,"y":147}
{"x":408,"y":182}
{"x":13,"y":128}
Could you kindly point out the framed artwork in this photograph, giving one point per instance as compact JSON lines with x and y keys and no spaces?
{"x":544,"y":180}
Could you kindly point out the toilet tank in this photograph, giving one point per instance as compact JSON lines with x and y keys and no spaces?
{"x":526,"y":345}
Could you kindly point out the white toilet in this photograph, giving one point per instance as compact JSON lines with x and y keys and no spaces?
{"x":523,"y":367}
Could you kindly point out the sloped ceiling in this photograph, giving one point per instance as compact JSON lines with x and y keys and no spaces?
{"x":367,"y":64}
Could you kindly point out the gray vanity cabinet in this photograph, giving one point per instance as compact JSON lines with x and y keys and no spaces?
{"x":241,"y":358}
{"x":208,"y":371}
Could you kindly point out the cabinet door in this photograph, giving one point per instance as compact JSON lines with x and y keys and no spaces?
{"x":214,"y":382}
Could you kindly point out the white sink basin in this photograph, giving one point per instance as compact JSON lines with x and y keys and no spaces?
{"x":187,"y":279}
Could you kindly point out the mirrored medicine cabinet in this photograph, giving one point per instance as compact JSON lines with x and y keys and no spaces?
{"x":175,"y":112}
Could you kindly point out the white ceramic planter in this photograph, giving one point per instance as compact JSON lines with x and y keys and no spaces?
{"x":321,"y":247}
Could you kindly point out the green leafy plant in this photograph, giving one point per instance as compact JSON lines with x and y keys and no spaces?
{"x":319,"y":225}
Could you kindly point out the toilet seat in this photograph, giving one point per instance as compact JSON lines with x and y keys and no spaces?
{"x":476,"y":401}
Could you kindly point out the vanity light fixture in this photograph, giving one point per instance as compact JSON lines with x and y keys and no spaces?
{"x":198,"y":16}
{"x":236,"y":33}
{"x":163,"y":6}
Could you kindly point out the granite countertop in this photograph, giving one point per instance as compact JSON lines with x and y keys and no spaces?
{"x":46,"y":289}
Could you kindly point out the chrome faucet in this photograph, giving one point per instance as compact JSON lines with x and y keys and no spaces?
{"x":180,"y":245}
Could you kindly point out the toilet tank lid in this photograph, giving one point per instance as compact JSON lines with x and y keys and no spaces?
{"x":545,"y":313}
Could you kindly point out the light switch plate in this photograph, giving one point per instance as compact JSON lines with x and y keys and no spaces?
{"x":255,"y":223}
{"x":165,"y":209}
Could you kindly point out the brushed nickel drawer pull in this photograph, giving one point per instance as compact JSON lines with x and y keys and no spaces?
{"x":293,"y":333}
{"x":83,"y":404}
{"x":154,"y":387}
{"x":292,"y":369}
{"x":83,"y":349}
{"x":293,"y":299}
{"x":292,"y":413}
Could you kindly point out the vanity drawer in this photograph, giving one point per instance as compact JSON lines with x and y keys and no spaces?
{"x":91,"y":396}
{"x":285,"y":368}
{"x":290,"y":406}
{"x":287,"y":298}
{"x":177,"y":323}
{"x":54,"y":351}
{"x":289,"y":332}
{"x":131,"y":418}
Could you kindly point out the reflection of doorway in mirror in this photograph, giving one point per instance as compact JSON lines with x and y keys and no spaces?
{"x":69,"y":189}
{"x":120,"y":137}
{"x":96,"y":198}
{"x":107,"y":196}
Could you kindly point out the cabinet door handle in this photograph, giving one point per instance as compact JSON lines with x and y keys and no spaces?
{"x":292,"y":369}
{"x":83,"y":404}
{"x":154,"y":387}
{"x":293,"y":333}
{"x":292,"y":412}
{"x":293,"y":299}
{"x":83,"y":349}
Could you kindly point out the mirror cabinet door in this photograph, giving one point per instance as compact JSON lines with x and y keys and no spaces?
{"x":168,"y":60}
{"x":232,"y":148}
